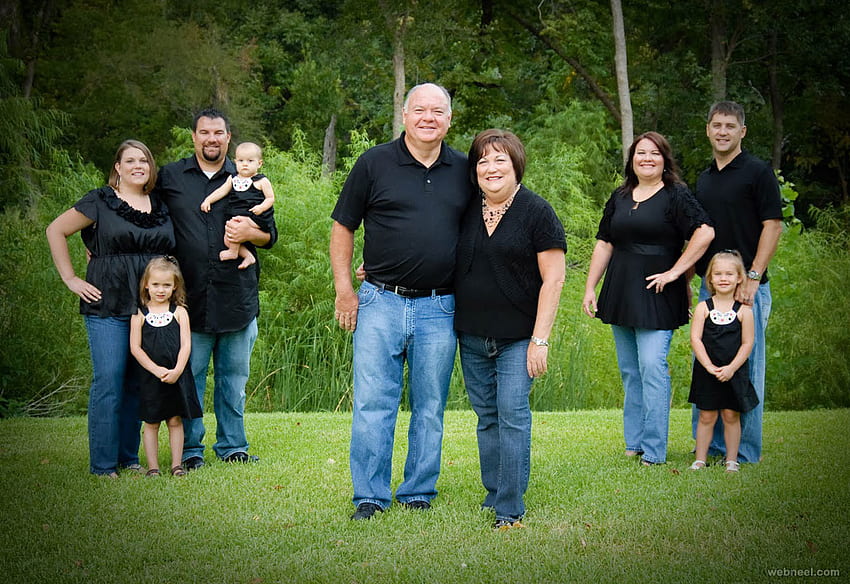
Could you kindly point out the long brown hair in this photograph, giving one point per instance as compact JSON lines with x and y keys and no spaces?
{"x":670,"y":176}
{"x":166,"y":264}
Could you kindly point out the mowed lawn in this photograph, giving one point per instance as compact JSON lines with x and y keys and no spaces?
{"x":593,"y":515}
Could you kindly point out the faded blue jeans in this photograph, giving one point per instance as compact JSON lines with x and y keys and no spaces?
{"x":642,"y":358}
{"x":498,"y":384}
{"x":231,"y":356}
{"x":392,"y":329}
{"x":751,"y":422}
{"x":113,"y":412}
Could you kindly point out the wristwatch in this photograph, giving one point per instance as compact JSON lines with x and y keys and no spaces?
{"x":539,"y":342}
{"x":753,"y":275}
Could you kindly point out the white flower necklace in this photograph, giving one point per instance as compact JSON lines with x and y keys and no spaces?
{"x":241,"y":183}
{"x":159,"y":319}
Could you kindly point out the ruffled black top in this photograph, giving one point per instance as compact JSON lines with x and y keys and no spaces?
{"x":648,"y":238}
{"x":122,"y":240}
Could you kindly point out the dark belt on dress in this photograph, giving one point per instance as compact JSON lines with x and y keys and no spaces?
{"x":408,"y":292}
{"x":648,"y":249}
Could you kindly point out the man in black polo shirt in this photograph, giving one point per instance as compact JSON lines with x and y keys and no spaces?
{"x":741,"y":194}
{"x":410,"y":195}
{"x":223,"y":300}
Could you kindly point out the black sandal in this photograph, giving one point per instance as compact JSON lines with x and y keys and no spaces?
{"x":154,"y":472}
{"x":177,"y":471}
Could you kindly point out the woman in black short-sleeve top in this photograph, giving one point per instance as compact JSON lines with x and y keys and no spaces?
{"x":641,"y":251}
{"x":122,"y":227}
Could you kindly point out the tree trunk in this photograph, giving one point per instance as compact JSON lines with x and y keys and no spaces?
{"x":776,"y":102}
{"x":486,"y":13}
{"x":719,"y":56}
{"x":627,"y":132}
{"x":398,"y":74}
{"x":329,"y":149}
{"x":24,"y":39}
{"x":397,"y":21}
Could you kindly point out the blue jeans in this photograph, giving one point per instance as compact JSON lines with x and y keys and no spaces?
{"x":642,"y":358}
{"x":231,"y":355}
{"x":498,"y":385}
{"x":390,"y":330}
{"x":751,"y":422}
{"x":113,"y":413}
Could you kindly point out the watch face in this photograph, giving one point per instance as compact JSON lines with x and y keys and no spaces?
{"x":753,"y":275}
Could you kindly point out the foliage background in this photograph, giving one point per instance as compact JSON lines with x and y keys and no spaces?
{"x":79,"y":76}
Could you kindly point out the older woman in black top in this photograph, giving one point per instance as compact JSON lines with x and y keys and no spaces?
{"x":641,"y":236}
{"x":122,"y":227}
{"x":509,"y":275}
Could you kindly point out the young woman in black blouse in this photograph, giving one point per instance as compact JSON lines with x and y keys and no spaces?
{"x":509,"y":274}
{"x":644,"y":298}
{"x":122,"y":227}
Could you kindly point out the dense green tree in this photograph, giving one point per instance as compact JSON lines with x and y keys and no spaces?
{"x":28,"y":134}
{"x":126,"y":69}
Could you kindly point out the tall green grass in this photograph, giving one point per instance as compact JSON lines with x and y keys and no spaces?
{"x":302,"y":360}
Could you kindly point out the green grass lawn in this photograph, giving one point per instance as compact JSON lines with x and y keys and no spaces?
{"x":593,"y":515}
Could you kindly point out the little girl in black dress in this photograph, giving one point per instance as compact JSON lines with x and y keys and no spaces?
{"x":722,"y":334}
{"x":161,"y":340}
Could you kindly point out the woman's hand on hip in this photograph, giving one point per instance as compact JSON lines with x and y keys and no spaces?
{"x":658,"y":281}
{"x":88,"y":292}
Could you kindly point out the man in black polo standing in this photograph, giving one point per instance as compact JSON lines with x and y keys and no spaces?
{"x":741,"y":194}
{"x":223,"y":300}
{"x":409,"y":194}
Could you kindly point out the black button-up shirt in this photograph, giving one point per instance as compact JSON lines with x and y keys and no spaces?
{"x":221,"y":297}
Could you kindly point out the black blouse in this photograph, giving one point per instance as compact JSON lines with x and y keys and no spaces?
{"x":497,"y":278}
{"x":648,"y":238}
{"x":122,"y":240}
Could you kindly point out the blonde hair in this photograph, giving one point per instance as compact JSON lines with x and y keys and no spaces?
{"x":732,"y":255}
{"x":167,"y":264}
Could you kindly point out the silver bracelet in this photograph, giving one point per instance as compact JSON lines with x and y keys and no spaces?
{"x":539,"y":342}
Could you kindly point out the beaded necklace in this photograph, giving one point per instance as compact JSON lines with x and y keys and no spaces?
{"x":493,"y":216}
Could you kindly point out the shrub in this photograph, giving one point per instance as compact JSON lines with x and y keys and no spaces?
{"x":302,"y":359}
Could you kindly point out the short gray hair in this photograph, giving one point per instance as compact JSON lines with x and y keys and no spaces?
{"x":420,"y":86}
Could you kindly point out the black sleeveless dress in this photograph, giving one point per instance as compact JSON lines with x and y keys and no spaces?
{"x":722,"y":339}
{"x":160,"y":401}
{"x":243,"y":196}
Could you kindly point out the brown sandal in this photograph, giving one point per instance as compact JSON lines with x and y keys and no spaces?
{"x":177,"y":471}
{"x":154,"y":472}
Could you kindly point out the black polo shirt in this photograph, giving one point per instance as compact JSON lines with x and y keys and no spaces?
{"x":410,"y":214}
{"x":221,"y":298}
{"x":738,"y":198}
